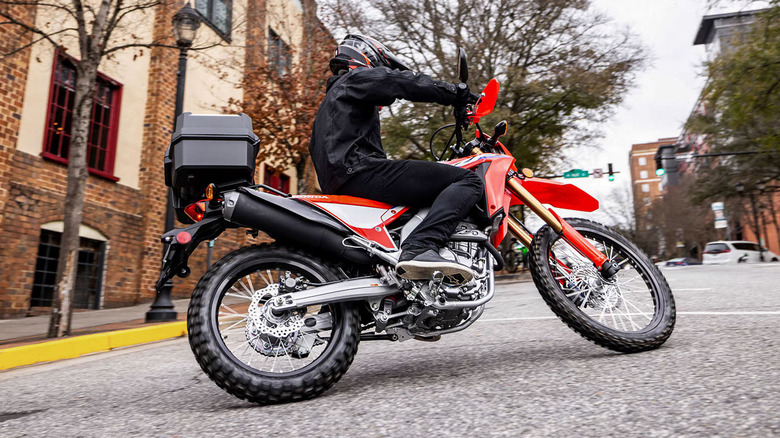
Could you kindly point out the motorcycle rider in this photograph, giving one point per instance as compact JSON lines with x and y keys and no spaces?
{"x":347,"y":152}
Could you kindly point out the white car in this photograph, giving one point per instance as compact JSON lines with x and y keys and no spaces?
{"x":735,"y":251}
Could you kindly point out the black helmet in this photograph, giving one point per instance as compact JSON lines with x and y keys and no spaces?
{"x":359,"y":50}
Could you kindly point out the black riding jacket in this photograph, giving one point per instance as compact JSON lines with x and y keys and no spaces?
{"x":346,"y":137}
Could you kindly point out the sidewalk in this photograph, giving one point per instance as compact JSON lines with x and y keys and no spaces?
{"x":33,"y":329}
{"x":23,"y":341}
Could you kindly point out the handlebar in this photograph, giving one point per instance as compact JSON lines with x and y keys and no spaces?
{"x":464,"y":116}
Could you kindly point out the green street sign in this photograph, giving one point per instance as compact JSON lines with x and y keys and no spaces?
{"x":576,"y":173}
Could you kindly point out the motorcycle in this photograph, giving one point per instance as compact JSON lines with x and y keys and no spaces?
{"x":281,"y":322}
{"x":514,"y":256}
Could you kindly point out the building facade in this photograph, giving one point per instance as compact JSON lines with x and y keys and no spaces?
{"x":759,"y":210}
{"x":645,"y":184}
{"x":131,"y":125}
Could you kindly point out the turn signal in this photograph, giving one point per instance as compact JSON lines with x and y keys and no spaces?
{"x":196,"y":211}
{"x":210,"y":191}
{"x":528,"y":173}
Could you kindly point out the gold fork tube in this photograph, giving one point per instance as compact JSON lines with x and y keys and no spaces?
{"x":519,"y":232}
{"x":535,"y":206}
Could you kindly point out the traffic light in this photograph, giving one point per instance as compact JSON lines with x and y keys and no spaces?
{"x":610,"y":172}
{"x":659,"y":164}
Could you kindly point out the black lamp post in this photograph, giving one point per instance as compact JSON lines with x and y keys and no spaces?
{"x":741,"y":190}
{"x":185,"y":28}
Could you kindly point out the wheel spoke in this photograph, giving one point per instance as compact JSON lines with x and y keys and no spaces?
{"x":276,"y":356}
{"x":287,"y":354}
{"x":224,"y":306}
{"x":233,"y":318}
{"x":241,"y":292}
{"x":262,"y":276}
{"x":237,"y":323}
{"x":634,"y":325}
{"x":243,"y":297}
{"x":605,"y":302}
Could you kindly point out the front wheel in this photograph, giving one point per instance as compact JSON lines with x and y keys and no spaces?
{"x":630,"y":312}
{"x":256,"y":354}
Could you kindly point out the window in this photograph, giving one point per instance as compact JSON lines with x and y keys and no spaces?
{"x":279,"y":55}
{"x":746,"y":246}
{"x":643,"y":174}
{"x":101,"y":144}
{"x":217,"y":14}
{"x":645,"y":188}
{"x":642,"y":161}
{"x":660,"y":187}
{"x":646,"y":201}
{"x":716,"y":248}
{"x":276,"y":179}
{"x":89,"y":272}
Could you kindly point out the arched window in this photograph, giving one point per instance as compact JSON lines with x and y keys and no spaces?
{"x":89,"y":274}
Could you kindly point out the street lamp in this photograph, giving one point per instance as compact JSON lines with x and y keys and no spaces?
{"x":741,"y":190}
{"x":185,"y":27}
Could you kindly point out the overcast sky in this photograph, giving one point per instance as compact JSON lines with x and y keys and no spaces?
{"x":665,"y":91}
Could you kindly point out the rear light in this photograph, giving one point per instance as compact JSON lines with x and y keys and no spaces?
{"x":196,"y":211}
{"x":184,"y":238}
{"x":717,"y":251}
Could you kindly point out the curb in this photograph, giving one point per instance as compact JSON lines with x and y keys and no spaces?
{"x":517,"y":277}
{"x":79,"y":345}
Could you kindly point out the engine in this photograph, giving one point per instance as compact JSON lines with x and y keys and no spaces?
{"x":433,"y":307}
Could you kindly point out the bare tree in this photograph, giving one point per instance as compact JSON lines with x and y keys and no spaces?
{"x":282,"y":91}
{"x":620,"y":208}
{"x":680,"y":221}
{"x":562,"y":66}
{"x":98,"y":28}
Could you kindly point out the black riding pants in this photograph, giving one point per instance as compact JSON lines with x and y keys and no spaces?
{"x":449,"y":191}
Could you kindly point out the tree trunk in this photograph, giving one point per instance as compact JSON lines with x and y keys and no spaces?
{"x":302,"y":174}
{"x":61,"y":310}
{"x":773,"y":212}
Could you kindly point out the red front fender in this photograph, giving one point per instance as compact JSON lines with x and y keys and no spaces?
{"x":559,"y":195}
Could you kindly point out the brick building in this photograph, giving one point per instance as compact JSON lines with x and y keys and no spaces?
{"x":717,"y":33}
{"x":132,"y":123}
{"x":645,"y":184}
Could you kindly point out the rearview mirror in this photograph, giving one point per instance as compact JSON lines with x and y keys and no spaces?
{"x":463,"y":68}
{"x":500,"y":129}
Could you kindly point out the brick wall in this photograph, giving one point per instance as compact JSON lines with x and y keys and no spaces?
{"x":13,"y":79}
{"x":36,"y":190}
{"x":32,"y":188}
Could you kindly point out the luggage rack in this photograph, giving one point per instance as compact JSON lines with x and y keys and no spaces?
{"x":270,"y":189}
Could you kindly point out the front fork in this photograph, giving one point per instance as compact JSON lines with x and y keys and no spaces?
{"x":560,"y":226}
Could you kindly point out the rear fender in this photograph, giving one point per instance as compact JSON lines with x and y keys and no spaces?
{"x":556,"y":194}
{"x":177,"y":253}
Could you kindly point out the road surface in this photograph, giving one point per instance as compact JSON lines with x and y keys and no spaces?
{"x":517,"y":371}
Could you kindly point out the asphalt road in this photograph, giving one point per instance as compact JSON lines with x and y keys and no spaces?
{"x":518,"y":371}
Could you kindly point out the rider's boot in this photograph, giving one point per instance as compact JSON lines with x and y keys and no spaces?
{"x":420,"y":264}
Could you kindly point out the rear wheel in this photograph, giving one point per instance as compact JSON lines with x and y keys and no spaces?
{"x":632,"y":311}
{"x":256,"y":355}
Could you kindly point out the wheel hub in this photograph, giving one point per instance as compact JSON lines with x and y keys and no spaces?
{"x":270,"y":334}
{"x":607,"y":297}
{"x":602,"y":294}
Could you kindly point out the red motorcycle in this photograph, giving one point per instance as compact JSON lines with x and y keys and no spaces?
{"x":282,"y":322}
